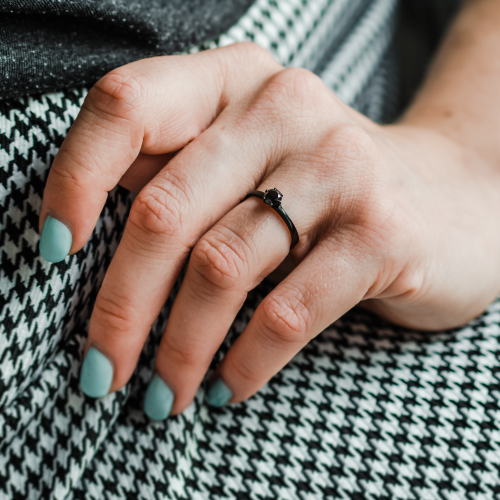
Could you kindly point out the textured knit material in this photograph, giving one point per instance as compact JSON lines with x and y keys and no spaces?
{"x":50,"y":45}
{"x":367,"y":410}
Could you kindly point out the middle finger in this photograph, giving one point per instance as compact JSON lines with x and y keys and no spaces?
{"x":227,"y":262}
{"x":182,"y":202}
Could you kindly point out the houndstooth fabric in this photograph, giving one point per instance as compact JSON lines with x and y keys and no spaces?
{"x":367,"y":410}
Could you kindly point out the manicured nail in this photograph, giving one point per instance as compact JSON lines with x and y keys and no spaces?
{"x":158,"y":400}
{"x":56,"y":239}
{"x":96,"y":375}
{"x":218,"y":394}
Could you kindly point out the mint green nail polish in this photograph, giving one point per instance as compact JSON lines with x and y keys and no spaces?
{"x":56,"y":239}
{"x":218,"y":394}
{"x":96,"y":375}
{"x":158,"y":400}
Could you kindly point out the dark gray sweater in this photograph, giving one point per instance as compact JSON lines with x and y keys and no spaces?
{"x":48,"y":45}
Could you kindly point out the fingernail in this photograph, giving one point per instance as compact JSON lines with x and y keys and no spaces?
{"x":218,"y":394}
{"x":96,"y":375}
{"x":158,"y":400}
{"x":56,"y":239}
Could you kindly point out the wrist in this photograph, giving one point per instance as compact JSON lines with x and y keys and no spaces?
{"x":436,"y":155}
{"x":477,"y":144}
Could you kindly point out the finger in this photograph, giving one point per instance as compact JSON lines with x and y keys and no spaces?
{"x":228,"y":261}
{"x":144,"y":168}
{"x":153,"y":106}
{"x":167,"y":217}
{"x":333,"y":278}
{"x":198,"y":187}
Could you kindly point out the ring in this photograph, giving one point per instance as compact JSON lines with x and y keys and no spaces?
{"x":273,"y":197}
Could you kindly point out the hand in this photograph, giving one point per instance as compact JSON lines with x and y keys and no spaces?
{"x":393,"y":216}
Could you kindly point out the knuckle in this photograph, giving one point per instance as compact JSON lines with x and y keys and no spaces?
{"x":292,"y":99}
{"x":286,"y":318}
{"x":219,"y":258}
{"x":110,"y":113}
{"x":363,"y":167}
{"x":360,"y":142}
{"x":353,"y":144}
{"x":294,"y":88}
{"x":158,"y":210}
{"x":252,"y":53}
{"x":353,"y":160}
{"x":113,"y":313}
{"x":117,"y":93}
{"x":172,"y":353}
{"x":69,"y":170}
{"x":241,"y":368}
{"x":411,"y":286}
{"x":381,"y":227}
{"x":120,"y":85}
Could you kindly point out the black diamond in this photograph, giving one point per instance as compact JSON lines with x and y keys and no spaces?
{"x":273,"y":197}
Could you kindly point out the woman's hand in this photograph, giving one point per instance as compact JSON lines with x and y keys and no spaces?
{"x":393,"y":216}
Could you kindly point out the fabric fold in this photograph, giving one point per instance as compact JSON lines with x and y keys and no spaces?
{"x":50,"y":45}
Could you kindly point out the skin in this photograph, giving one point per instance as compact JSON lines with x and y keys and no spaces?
{"x":402,"y":219}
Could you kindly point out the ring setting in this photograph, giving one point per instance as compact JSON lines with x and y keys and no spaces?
{"x":272,"y":198}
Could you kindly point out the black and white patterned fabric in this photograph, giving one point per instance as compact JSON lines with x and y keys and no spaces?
{"x":367,"y":410}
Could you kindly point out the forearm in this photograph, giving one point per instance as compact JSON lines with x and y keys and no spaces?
{"x":461,"y":95}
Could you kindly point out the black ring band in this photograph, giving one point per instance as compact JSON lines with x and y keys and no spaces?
{"x":273,"y":197}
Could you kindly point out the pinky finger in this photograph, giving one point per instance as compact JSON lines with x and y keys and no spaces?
{"x":327,"y":283}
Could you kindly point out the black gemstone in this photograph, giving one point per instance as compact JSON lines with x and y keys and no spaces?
{"x":273,"y":197}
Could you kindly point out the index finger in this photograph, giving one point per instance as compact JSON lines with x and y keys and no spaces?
{"x":154,"y":106}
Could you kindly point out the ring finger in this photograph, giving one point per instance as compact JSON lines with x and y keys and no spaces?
{"x":227,"y":262}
